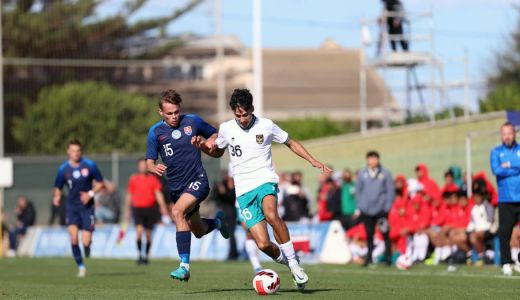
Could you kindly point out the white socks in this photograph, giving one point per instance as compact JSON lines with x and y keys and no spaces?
{"x":252,"y":252}
{"x":514,"y":254}
{"x":185,"y":265}
{"x":420,"y":246}
{"x":287,"y":250}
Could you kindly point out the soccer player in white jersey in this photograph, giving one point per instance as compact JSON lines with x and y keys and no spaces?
{"x":249,"y":140}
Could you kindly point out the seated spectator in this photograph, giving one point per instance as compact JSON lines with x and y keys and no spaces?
{"x":357,"y":238}
{"x":481,"y":222}
{"x":458,"y":220}
{"x":435,"y":234}
{"x":449,"y":183}
{"x":398,"y":222}
{"x":108,"y":204}
{"x":25,"y":217}
{"x":458,"y":179}
{"x":491,"y":190}
{"x":418,"y":222}
{"x":515,"y":244}
{"x":430,"y":187}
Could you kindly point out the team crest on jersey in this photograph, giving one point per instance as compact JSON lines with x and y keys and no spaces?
{"x":76,"y":174}
{"x":260,"y":139}
{"x":176,"y":134}
{"x":84,"y":172}
{"x":188,"y":130}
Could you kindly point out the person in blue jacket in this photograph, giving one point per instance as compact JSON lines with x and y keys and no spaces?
{"x":505,"y":164}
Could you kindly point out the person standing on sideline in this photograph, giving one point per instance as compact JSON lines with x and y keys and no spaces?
{"x":375,"y":194}
{"x":144,"y":192}
{"x":505,"y":164}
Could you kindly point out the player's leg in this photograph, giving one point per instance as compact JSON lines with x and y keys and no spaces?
{"x":88,"y":222}
{"x":261,"y":236}
{"x":269,"y":208}
{"x":251,"y":249}
{"x":148,"y":235}
{"x":76,"y":251}
{"x":139,"y":241}
{"x":182,"y":207}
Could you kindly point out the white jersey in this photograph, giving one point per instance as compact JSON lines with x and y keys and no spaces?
{"x":250,"y":152}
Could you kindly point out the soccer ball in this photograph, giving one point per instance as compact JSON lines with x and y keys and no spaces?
{"x":404,"y":262}
{"x":266,"y":282}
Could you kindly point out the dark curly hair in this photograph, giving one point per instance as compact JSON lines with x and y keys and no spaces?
{"x":241,"y":98}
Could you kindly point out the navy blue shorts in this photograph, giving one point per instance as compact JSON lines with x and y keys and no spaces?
{"x":198,"y":188}
{"x":83,"y":217}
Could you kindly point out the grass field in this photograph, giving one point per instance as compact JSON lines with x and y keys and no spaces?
{"x":24,"y":278}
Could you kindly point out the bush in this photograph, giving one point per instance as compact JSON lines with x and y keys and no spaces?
{"x":506,"y":97}
{"x":104,"y":118}
{"x":310,"y":128}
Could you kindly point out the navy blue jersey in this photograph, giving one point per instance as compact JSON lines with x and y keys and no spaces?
{"x":180,"y":157}
{"x":78,"y":179}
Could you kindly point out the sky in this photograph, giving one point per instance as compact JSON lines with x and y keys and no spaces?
{"x":480,"y":27}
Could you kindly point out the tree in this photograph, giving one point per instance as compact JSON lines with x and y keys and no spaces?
{"x":74,"y":29}
{"x":311,"y":128}
{"x":101,"y":116}
{"x":504,"y":97}
{"x":504,"y":84}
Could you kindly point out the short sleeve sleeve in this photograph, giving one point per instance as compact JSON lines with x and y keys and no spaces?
{"x":60,"y":179}
{"x":152,"y":147}
{"x":204,"y":128}
{"x":279,"y":135}
{"x":221,"y":140}
{"x":131,"y":187}
{"x":96,"y":174}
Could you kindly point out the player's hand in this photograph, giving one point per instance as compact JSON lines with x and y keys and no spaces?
{"x":159,"y":169}
{"x":56,"y":200}
{"x":198,"y":141}
{"x":321,"y":166}
{"x":84,"y":197}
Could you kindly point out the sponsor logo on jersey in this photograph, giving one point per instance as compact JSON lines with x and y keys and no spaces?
{"x":260,"y":139}
{"x":188,"y":130}
{"x":76,"y":174}
{"x":176,"y":134}
{"x":84,"y":172}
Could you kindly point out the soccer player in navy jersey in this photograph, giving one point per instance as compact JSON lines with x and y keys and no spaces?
{"x":78,"y":173}
{"x":173,"y":139}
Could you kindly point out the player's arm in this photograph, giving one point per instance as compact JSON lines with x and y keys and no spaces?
{"x":128,"y":204}
{"x":300,"y":150}
{"x":208,"y":146}
{"x":58,"y":185}
{"x":152,"y":154}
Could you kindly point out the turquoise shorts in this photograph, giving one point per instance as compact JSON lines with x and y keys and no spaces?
{"x":251,"y":203}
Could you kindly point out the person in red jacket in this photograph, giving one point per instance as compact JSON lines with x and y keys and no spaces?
{"x":459,"y":220}
{"x":491,"y":190}
{"x":398,"y":221}
{"x":430,"y":187}
{"x":437,"y":237}
{"x":323,"y":194}
{"x":449,"y":183}
{"x":419,"y":217}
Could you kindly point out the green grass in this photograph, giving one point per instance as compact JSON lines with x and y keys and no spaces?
{"x":25,"y":278}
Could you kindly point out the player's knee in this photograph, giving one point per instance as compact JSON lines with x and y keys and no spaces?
{"x":272,"y":218}
{"x":178,"y":214}
{"x":264,"y":246}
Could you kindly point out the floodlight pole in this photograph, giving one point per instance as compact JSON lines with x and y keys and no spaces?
{"x":258,"y":97}
{"x":219,"y":51}
{"x":2,"y":122}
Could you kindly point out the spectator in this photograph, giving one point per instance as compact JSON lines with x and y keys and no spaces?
{"x":449,"y":183}
{"x":323,"y":192}
{"x":394,"y":23}
{"x":418,"y":216}
{"x":457,"y":222}
{"x":225,"y":198}
{"x":25,"y":217}
{"x":505,"y":164}
{"x":492,"y":195}
{"x":108,"y":204}
{"x":348,"y":199}
{"x":58,"y":212}
{"x":375,"y":193}
{"x":457,"y":176}
{"x":397,"y":218}
{"x":285,"y":181}
{"x":436,"y":235}
{"x":431,"y":189}
{"x":296,"y":204}
{"x":481,"y":222}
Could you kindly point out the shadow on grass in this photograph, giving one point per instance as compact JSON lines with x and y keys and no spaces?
{"x":307,"y":291}
{"x":103,"y":274}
